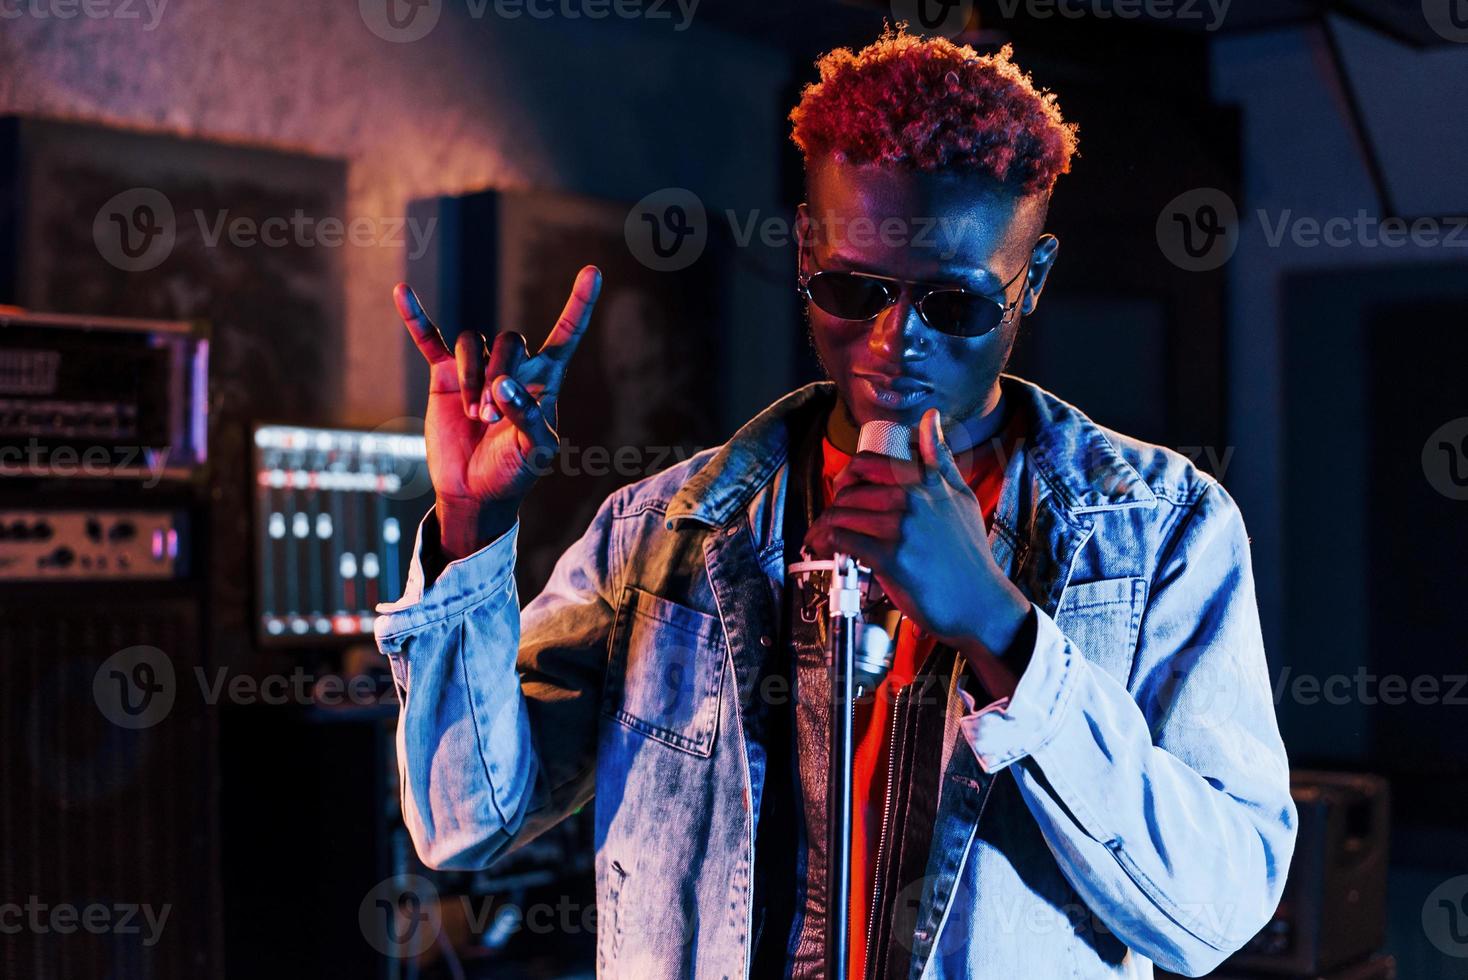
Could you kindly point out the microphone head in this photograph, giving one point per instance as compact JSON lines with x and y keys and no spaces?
{"x":887,"y":439}
{"x":873,"y":656}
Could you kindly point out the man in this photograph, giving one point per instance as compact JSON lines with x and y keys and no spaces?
{"x":1073,"y":766}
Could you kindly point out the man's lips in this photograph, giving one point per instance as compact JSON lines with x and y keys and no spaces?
{"x":901,"y":384}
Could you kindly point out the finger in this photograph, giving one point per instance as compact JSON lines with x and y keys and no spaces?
{"x":885,"y":525}
{"x":871,"y":496}
{"x":823,"y":541}
{"x":469,"y":355}
{"x":938,"y":462}
{"x":571,"y":327}
{"x":505,"y":357}
{"x":425,"y":334}
{"x":875,"y":468}
{"x":523,"y":411}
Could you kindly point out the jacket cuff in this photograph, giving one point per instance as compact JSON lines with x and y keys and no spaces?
{"x":463,"y":582}
{"x":1012,"y":728}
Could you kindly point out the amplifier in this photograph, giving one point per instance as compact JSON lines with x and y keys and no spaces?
{"x":101,"y":397}
{"x":110,"y":784}
{"x":85,"y":545}
{"x":1334,"y":906}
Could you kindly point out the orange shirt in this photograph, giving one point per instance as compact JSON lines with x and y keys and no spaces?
{"x":983,"y":472}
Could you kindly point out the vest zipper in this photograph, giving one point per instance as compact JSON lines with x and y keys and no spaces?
{"x":882,"y":837}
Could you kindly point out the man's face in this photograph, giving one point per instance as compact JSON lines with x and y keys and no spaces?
{"x":937,"y":230}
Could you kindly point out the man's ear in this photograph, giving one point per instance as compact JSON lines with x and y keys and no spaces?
{"x":1042,"y":259}
{"x":803,"y":237}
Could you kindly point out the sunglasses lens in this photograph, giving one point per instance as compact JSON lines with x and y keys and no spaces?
{"x":847,"y":296}
{"x":960,"y":314}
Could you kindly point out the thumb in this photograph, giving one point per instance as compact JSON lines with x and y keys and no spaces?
{"x":938,"y":461}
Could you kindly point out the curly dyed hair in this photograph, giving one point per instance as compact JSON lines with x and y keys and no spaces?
{"x":927,"y":104}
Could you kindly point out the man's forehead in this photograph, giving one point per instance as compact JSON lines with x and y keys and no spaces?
{"x":896,"y":192}
{"x":933,"y":223}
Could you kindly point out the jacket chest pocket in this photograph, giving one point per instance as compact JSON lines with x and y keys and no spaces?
{"x":664,"y":671}
{"x":1102,"y":619}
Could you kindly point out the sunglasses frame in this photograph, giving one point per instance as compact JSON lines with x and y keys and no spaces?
{"x":921,"y":292}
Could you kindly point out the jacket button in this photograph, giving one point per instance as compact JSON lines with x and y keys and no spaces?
{"x":731,"y":530}
{"x":765,"y":641}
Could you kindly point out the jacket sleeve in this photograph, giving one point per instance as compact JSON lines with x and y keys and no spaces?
{"x":498,"y":706}
{"x":1168,"y":809}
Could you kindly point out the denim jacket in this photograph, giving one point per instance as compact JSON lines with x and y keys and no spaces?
{"x":1128,"y":805}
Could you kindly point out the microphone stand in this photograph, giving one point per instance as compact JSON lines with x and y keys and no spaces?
{"x":845,"y":607}
{"x":860,"y":656}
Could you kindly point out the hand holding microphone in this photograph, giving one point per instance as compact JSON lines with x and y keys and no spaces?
{"x":920,"y":529}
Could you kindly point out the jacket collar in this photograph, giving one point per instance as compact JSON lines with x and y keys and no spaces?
{"x":1069,"y":452}
{"x":1074,"y":455}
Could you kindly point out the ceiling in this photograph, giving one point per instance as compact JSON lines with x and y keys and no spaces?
{"x":804,"y":25}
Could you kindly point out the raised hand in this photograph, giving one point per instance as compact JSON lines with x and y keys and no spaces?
{"x":491,"y":422}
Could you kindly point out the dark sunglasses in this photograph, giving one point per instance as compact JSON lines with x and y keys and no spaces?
{"x":859,"y":296}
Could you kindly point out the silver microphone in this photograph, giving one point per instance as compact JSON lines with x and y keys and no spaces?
{"x":887,"y":439}
{"x":878,"y":637}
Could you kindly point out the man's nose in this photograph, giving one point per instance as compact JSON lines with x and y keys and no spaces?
{"x":898,"y":333}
